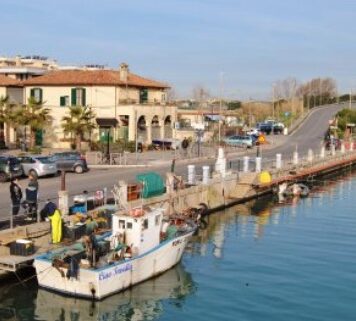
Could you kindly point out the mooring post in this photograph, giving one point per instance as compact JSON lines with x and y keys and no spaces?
{"x":191,"y":174}
{"x":342,"y":148}
{"x":322,"y":152}
{"x":310,"y":156}
{"x":295,"y":158}
{"x":258,"y":165}
{"x":206,"y":174}
{"x":332,"y":149}
{"x":278,"y":161}
{"x":246,"y":161}
{"x":220,"y":164}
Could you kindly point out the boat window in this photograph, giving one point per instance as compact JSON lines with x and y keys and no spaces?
{"x":122,"y":224}
{"x":157,"y":220}
{"x":145,"y":224}
{"x":129,"y":225}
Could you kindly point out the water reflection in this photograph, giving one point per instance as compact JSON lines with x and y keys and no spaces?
{"x":262,"y":212}
{"x":142,"y":302}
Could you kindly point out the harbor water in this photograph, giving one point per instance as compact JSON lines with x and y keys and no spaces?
{"x":265,"y":260}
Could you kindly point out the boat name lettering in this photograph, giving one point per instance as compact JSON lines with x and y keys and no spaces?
{"x":104,"y":275}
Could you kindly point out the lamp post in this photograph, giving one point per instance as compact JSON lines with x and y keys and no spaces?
{"x":108,"y":144}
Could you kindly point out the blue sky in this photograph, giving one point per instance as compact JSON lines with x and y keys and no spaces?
{"x":191,"y":43}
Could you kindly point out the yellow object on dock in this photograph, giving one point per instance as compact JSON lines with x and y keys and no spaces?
{"x":265,"y":177}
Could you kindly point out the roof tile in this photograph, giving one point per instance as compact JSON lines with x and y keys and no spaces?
{"x":91,"y":78}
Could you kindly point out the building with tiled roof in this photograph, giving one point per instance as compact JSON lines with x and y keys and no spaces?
{"x":93,"y":78}
{"x":120,"y":99}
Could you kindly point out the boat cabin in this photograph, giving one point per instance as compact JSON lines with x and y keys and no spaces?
{"x":140,"y":229}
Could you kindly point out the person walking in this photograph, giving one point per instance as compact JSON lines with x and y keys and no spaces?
{"x":16,"y":195}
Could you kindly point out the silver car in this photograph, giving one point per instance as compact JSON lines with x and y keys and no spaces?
{"x":38,"y":165}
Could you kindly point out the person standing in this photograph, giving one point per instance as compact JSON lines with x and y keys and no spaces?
{"x":32,"y":196}
{"x":16,"y":195}
{"x":55,"y":218}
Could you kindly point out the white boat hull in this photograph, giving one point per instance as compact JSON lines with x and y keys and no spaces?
{"x":112,"y":278}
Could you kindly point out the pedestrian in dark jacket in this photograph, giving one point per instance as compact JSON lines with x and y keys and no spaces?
{"x":16,"y":195}
{"x":31,"y":196}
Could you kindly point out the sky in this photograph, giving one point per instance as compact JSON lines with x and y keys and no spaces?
{"x":233,"y":48}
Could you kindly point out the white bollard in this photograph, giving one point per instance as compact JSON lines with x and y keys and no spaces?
{"x":221,"y":152}
{"x":206,"y":175}
{"x":322,"y":152}
{"x":258,"y":164}
{"x":295,"y":158}
{"x":310,"y":156}
{"x":278,"y":161}
{"x":191,"y":174}
{"x":246,"y":161}
{"x":332,"y":149}
{"x":342,"y":148}
{"x":220,"y":164}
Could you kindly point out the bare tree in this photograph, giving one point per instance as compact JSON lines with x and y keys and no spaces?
{"x":200,"y":94}
{"x":171,"y":95}
{"x":286,"y":88}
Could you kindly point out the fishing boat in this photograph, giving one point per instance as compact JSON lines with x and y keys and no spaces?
{"x":142,"y":243}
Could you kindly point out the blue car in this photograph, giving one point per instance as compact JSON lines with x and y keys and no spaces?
{"x":240,"y":141}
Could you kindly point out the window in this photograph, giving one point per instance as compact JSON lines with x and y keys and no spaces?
{"x":37,"y":94}
{"x":121,"y":224}
{"x":78,"y":97}
{"x":157,"y":220}
{"x":143,"y":95}
{"x":145,"y":224}
{"x":64,"y":101}
{"x":163,"y":97}
{"x":129,"y":225}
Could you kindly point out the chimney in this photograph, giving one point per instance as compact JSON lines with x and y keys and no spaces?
{"x":18,"y":61}
{"x":124,"y":72}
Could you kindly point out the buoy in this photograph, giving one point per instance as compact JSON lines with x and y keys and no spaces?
{"x":265,"y":177}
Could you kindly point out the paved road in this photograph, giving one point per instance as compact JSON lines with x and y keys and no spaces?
{"x":309,"y":135}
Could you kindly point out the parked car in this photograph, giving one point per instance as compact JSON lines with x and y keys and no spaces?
{"x":166,"y":143}
{"x":253,"y":132}
{"x":38,"y":165}
{"x":240,"y":140}
{"x":70,"y":162}
{"x":268,"y":127}
{"x":9,"y":167}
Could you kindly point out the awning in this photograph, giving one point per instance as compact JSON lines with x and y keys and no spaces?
{"x":107,"y":122}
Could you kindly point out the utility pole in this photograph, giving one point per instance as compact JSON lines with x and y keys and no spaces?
{"x":309,"y":93}
{"x":350,"y":104}
{"x":136,"y":138}
{"x":320,"y":92}
{"x":273,"y":101}
{"x":220,"y":105}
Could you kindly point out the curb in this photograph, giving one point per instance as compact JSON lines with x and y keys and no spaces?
{"x":117,"y":166}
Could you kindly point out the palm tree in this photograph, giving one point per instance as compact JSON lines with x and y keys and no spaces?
{"x":34,"y":115}
{"x":78,"y":123}
{"x":7,"y":116}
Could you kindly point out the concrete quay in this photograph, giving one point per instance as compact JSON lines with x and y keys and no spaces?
{"x":217,"y":189}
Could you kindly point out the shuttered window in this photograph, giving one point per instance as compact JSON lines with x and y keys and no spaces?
{"x":78,"y":97}
{"x":143,"y":95}
{"x":64,"y":101}
{"x":37,"y":94}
